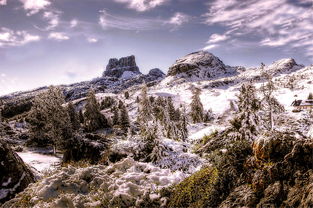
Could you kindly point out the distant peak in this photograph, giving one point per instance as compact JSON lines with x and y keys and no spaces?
{"x":117,"y":67}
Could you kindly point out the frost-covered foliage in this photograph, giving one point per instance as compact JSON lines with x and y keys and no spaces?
{"x":74,"y":117}
{"x":196,"y":107}
{"x":123,"y":184}
{"x":144,"y":109}
{"x":93,"y":119}
{"x":247,"y":121}
{"x":270,"y":104}
{"x":50,"y":121}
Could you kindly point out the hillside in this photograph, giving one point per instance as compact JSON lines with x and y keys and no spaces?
{"x":204,"y":135}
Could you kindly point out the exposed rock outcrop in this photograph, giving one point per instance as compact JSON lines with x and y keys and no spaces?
{"x":200,"y":64}
{"x":15,"y":176}
{"x":156,"y":73}
{"x":117,"y":67}
{"x":282,"y":66}
{"x":277,"y":173}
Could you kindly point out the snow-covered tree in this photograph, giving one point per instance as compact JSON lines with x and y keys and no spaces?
{"x":270,"y":104}
{"x":208,"y":116}
{"x":115,"y":118}
{"x":81,"y":116}
{"x":247,"y":121}
{"x":144,"y":109}
{"x":74,"y":117}
{"x":50,"y":121}
{"x":123,"y":117}
{"x":196,"y":107}
{"x":93,"y":118}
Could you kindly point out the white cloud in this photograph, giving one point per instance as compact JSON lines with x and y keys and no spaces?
{"x":92,"y":40}
{"x":16,"y":38}
{"x":208,"y":47}
{"x":215,"y":38}
{"x":73,"y":23}
{"x":142,"y":5}
{"x":53,"y":19}
{"x":3,"y":2}
{"x":179,"y":18}
{"x":270,"y":23}
{"x":58,"y":36}
{"x":108,"y":21}
{"x":34,"y":6}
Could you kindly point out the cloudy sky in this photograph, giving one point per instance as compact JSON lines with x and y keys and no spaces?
{"x":46,"y":42}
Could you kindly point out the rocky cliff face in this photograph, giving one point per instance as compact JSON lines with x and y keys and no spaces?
{"x":200,"y":64}
{"x":14,"y":174}
{"x":117,"y":67}
{"x":286,"y":65}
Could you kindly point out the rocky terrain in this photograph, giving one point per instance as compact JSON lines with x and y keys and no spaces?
{"x":215,"y":162}
{"x":111,"y":82}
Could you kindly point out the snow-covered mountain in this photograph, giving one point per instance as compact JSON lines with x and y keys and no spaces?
{"x":201,"y":65}
{"x":129,"y":180}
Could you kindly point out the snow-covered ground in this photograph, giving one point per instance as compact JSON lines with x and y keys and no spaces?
{"x":41,"y":162}
{"x":123,"y":184}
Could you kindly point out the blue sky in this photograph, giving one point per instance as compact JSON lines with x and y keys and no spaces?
{"x":45,"y":42}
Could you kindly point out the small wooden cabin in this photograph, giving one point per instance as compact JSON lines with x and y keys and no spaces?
{"x":302,"y":104}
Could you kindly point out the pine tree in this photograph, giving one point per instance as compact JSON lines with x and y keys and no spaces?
{"x":123,"y":116}
{"x":196,"y":107}
{"x":126,"y":94}
{"x":271,"y":106}
{"x":49,"y":119}
{"x":247,"y":121}
{"x":93,"y":118}
{"x":171,"y":110}
{"x":310,"y":97}
{"x":145,"y":109}
{"x":74,"y":117}
{"x":115,"y":118}
{"x":81,"y":116}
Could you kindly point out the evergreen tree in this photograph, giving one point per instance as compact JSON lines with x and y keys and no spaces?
{"x":310,"y":97}
{"x":49,"y":119}
{"x":145,"y":109}
{"x":126,"y":94}
{"x":123,"y":116}
{"x":74,"y":117}
{"x":247,"y":121}
{"x":81,"y":116}
{"x":115,"y":118}
{"x":271,"y":106}
{"x":173,"y":116}
{"x":93,"y":118}
{"x":208,"y":116}
{"x":196,"y":107}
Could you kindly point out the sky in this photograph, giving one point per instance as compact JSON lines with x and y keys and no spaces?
{"x":44,"y":42}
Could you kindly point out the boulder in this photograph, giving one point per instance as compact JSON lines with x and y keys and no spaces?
{"x":273,"y":146}
{"x":15,"y":176}
{"x":117,"y":67}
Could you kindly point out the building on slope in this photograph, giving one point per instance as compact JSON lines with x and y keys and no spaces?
{"x":300,"y":105}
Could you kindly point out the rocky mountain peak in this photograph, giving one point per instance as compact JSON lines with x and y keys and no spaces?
{"x":284,"y":66}
{"x":201,"y":64}
{"x":156,"y":72}
{"x":117,"y":67}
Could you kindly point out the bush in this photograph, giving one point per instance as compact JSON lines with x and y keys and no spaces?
{"x":194,"y":190}
{"x":210,"y":186}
